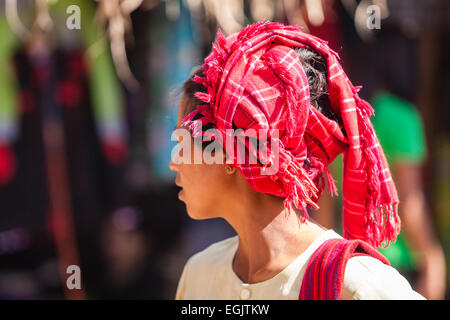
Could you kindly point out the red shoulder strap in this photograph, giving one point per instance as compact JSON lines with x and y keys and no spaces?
{"x":324,"y":275}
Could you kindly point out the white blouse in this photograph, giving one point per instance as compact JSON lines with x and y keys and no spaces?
{"x":208,"y":275}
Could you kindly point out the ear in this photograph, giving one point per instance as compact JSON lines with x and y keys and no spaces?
{"x":230,"y":169}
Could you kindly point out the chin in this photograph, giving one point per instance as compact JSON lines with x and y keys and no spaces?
{"x":198,"y":214}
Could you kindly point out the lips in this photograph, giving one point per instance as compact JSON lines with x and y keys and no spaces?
{"x":180,"y":193}
{"x":177,"y":182}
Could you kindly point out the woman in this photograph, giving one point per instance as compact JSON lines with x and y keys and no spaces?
{"x":287,"y":91}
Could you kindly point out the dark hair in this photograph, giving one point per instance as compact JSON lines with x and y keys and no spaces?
{"x":190,"y":87}
{"x":316,"y":71}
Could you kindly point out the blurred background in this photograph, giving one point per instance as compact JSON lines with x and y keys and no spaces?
{"x":88,"y":97}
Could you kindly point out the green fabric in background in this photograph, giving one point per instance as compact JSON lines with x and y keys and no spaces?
{"x":399,"y":128}
{"x":106,"y":93}
{"x":8,"y":84}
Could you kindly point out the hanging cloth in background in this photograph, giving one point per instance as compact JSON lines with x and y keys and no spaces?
{"x":173,"y":54}
{"x":8,"y":103}
{"x":106,"y":92}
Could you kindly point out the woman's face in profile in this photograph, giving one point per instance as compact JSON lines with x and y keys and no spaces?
{"x":206,"y":188}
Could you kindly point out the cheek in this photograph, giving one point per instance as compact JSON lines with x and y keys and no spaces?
{"x":205,"y":188}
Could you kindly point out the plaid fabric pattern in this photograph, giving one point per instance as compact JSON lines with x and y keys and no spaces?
{"x":324,"y":275}
{"x":255,"y":80}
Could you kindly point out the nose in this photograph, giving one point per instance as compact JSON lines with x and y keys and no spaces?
{"x":173,"y":166}
{"x":175,"y":160}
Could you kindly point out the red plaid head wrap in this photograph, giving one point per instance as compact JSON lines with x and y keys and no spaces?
{"x":255,"y":80}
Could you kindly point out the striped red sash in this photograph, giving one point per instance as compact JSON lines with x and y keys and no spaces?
{"x":324,"y":276}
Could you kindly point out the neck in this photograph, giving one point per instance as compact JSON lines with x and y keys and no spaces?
{"x":269,"y":238}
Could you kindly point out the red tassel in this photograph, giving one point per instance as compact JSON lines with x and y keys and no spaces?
{"x":393,"y":223}
{"x":300,"y":189}
{"x":203,"y":96}
{"x":221,"y":40}
{"x":331,"y":185}
{"x":200,"y":80}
